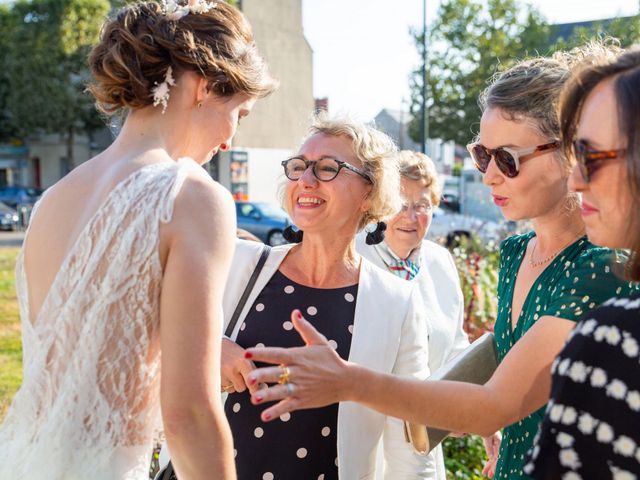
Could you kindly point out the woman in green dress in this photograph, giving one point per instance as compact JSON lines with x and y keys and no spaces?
{"x":548,"y":278}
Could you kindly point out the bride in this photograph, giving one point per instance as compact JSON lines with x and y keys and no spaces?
{"x":127,"y":257}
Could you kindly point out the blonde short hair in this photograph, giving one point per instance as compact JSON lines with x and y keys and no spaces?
{"x":377,"y":152}
{"x":418,"y":167}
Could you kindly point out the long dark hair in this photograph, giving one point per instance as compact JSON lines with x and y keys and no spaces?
{"x":625,"y":68}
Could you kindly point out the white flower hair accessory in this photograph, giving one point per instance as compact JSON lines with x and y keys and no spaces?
{"x":174,"y":11}
{"x":161,"y":91}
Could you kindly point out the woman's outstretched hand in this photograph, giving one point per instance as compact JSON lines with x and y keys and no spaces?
{"x":307,"y":377}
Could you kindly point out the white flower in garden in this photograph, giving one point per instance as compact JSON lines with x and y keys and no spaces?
{"x":633,"y":399}
{"x":613,"y":335}
{"x":569,"y":416}
{"x":555,"y":413}
{"x":624,"y":446}
{"x":598,"y":377}
{"x":588,"y":327}
{"x":601,"y":332}
{"x":617,"y":389}
{"x":586,"y":424}
{"x":564,"y":366}
{"x":578,"y":372}
{"x":630,"y":347}
{"x":564,"y":440}
{"x":569,"y":458}
{"x":604,"y":433}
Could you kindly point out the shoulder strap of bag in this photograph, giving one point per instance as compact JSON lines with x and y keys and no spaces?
{"x":168,"y":473}
{"x":247,"y":291}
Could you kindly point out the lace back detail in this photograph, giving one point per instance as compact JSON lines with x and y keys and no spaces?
{"x":89,"y":403}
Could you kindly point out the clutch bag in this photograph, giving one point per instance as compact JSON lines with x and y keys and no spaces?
{"x":475,"y":364}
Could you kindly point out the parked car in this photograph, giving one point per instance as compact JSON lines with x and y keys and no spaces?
{"x":9,"y":218}
{"x":448,"y":227}
{"x":14,"y":195}
{"x":265,"y":220}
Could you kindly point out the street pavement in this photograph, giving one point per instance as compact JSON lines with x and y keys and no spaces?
{"x":11,"y":239}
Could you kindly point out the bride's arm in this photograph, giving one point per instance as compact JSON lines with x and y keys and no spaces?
{"x":199,"y":244}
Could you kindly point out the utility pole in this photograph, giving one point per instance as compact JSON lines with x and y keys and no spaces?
{"x":424,"y":120}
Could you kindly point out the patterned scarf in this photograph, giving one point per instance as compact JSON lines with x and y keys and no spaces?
{"x":407,"y":268}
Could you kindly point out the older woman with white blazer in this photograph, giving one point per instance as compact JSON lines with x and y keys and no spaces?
{"x":430,"y":267}
{"x":407,"y":254}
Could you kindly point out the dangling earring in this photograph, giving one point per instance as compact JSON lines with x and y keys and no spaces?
{"x":292,"y":235}
{"x":377,"y":235}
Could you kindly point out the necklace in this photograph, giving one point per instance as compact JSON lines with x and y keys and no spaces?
{"x":533,"y":263}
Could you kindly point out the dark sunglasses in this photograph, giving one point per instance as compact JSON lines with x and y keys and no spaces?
{"x":324,"y":169}
{"x":590,"y":160}
{"x":507,"y":159}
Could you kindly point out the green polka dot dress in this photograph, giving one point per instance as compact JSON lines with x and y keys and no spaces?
{"x":580,"y":278}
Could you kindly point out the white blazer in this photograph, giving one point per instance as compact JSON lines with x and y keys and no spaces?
{"x":439,"y":286}
{"x":439,"y":283}
{"x":389,"y":336}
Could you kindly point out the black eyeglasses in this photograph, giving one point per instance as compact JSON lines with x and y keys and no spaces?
{"x":324,"y":169}
{"x":507,"y":159}
{"x":590,"y":160}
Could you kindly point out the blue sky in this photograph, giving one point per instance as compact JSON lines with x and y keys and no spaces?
{"x":363,"y":52}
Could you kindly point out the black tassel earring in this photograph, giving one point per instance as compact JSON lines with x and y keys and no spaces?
{"x":292,"y":235}
{"x":376,"y":236}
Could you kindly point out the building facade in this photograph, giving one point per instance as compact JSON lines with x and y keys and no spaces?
{"x":251,"y":170}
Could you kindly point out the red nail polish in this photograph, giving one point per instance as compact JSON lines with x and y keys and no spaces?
{"x":259,"y":398}
{"x":299,"y":315}
{"x":266,"y":416}
{"x":252,"y":381}
{"x":248,"y":355}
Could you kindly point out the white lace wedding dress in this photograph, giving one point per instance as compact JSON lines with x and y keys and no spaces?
{"x":89,"y":404}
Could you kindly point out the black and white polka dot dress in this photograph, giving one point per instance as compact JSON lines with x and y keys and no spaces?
{"x":301,"y":445}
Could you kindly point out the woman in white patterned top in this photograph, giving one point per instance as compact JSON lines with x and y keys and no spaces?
{"x":127,"y":257}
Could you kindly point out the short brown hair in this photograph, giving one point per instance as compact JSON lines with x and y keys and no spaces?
{"x":140,"y":43}
{"x":624,"y":68}
{"x":418,"y":167}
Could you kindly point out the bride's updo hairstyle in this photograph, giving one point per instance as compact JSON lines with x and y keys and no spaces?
{"x":139,"y":44}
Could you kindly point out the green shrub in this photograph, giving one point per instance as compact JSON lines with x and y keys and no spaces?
{"x":464,"y":457}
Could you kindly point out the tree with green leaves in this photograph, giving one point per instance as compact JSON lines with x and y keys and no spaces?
{"x":7,"y":20}
{"x":467,"y":44}
{"x":626,"y":30}
{"x":46,"y":68}
{"x":470,"y":41}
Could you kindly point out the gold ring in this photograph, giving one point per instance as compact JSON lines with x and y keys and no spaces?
{"x":283,"y":378}
{"x":227,"y":388}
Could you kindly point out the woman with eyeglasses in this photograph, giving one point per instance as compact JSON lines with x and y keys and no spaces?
{"x":548,"y":279}
{"x":343,"y":178}
{"x":407,"y":254}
